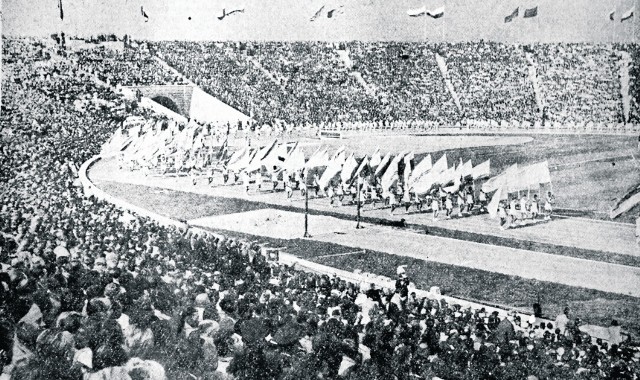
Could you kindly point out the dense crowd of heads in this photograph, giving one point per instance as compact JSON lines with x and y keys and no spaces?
{"x":130,"y":67}
{"x":316,"y":82}
{"x":91,"y":291}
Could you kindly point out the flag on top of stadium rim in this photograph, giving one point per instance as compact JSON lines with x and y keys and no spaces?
{"x":612,"y":14}
{"x":628,"y":14}
{"x":436,"y":13}
{"x":317,"y":14}
{"x":225,"y":13}
{"x":417,"y":12}
{"x":144,"y":14}
{"x":531,"y":12}
{"x":513,"y":15}
{"x":336,"y":11}
{"x":61,"y":12}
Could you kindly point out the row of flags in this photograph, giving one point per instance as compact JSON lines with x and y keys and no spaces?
{"x":417,"y":12}
{"x":340,"y":168}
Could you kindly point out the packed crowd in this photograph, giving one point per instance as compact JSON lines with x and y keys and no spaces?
{"x":130,"y":67}
{"x":90,"y":291}
{"x":310,"y":83}
{"x":492,"y":79}
{"x":581,"y":82}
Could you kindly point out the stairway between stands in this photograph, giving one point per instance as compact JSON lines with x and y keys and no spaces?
{"x":623,"y":66}
{"x":348,"y":64}
{"x":442,"y":64}
{"x":533,"y":78}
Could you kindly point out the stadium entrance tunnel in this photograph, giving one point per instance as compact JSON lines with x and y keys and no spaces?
{"x":168,"y":103}
{"x":176,"y":98}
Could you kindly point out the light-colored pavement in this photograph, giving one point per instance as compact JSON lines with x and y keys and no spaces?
{"x":565,"y":270}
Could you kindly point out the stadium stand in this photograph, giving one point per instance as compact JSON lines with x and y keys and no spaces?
{"x":91,"y":291}
{"x":128,"y":68}
{"x":577,"y":85}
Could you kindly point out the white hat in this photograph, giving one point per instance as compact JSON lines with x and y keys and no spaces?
{"x":61,"y":251}
{"x":401,"y":270}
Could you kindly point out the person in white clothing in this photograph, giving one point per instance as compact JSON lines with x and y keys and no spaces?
{"x":548,"y":206}
{"x":513,"y":209}
{"x":448,"y":205}
{"x":435,"y":207}
{"x":461,"y":205}
{"x":535,"y":208}
{"x":502,"y":214}
{"x":482,"y":198}
{"x":523,"y":208}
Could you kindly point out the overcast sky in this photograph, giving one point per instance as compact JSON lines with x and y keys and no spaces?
{"x":558,"y":20}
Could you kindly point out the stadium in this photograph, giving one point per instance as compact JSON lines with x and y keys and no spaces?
{"x":320,"y":190}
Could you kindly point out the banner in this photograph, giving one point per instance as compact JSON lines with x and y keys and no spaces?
{"x":482,"y":170}
{"x":628,"y":14}
{"x":495,"y":182}
{"x":408,"y":161}
{"x":348,"y":169}
{"x":512,"y":16}
{"x":333,"y":170}
{"x":363,"y":169}
{"x":529,"y":177}
{"x":531,"y":12}
{"x":144,"y":14}
{"x":436,"y":13}
{"x":492,"y":207}
{"x":421,"y":168}
{"x":440,"y":165}
{"x":390,"y":176}
{"x":295,"y":161}
{"x":317,"y":14}
{"x":376,"y":159}
{"x":417,"y":12}
{"x":383,"y":165}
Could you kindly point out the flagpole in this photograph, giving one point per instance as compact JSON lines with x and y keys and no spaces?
{"x":306,"y":210}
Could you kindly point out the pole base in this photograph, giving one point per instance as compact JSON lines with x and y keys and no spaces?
{"x":307,"y":235}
